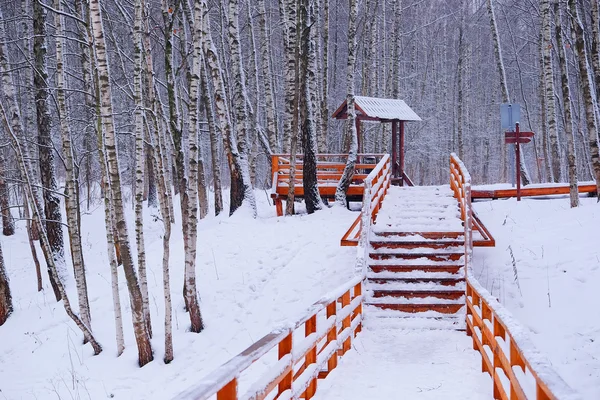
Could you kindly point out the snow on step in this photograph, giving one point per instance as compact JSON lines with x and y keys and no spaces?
{"x":422,"y":261}
{"x":413,"y":286}
{"x":414,"y":300}
{"x":419,"y":250}
{"x":389,"y":363}
{"x":414,"y":275}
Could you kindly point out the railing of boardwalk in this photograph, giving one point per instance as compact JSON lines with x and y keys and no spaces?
{"x":376,"y":185}
{"x":302,"y":352}
{"x":518,"y":369}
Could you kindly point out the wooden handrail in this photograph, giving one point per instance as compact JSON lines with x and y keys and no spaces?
{"x":507,"y":353}
{"x":376,"y":185}
{"x":329,"y":327}
{"x":505,"y":348}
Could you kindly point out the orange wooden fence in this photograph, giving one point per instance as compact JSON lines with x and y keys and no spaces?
{"x":376,"y":186}
{"x":460,"y":183}
{"x":326,"y":331}
{"x":329,"y":171}
{"x":518,"y":370}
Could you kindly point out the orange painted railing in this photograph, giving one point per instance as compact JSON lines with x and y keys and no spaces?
{"x":518,"y":370}
{"x":376,"y":185}
{"x":326,"y":331}
{"x":460,"y":183}
{"x":329,"y":171}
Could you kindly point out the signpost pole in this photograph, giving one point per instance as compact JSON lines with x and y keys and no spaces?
{"x":518,"y":163}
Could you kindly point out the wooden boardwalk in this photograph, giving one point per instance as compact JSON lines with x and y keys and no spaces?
{"x":395,"y":331}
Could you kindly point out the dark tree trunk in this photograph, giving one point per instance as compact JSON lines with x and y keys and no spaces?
{"x":46,"y":151}
{"x":5,"y":297}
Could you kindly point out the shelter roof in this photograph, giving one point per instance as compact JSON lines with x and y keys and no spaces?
{"x":377,"y":109}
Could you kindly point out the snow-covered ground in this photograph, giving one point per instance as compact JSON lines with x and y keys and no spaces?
{"x":545,"y":269}
{"x":252,"y":276}
{"x":407,"y":364}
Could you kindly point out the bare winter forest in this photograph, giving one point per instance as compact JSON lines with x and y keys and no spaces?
{"x":174,"y":105}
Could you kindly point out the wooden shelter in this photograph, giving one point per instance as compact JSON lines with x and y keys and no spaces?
{"x":393,"y":111}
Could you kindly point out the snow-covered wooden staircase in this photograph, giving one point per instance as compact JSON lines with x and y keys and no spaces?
{"x":416,"y":259}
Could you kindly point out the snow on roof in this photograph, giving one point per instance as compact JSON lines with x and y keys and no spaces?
{"x":374,"y":107}
{"x":386,"y":108}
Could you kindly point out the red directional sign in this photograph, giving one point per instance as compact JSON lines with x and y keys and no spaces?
{"x":514,"y":140}
{"x":521,"y":134}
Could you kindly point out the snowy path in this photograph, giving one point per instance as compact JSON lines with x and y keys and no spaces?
{"x":407,"y":364}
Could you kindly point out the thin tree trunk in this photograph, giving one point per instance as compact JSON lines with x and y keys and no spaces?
{"x":265,"y":45}
{"x":549,"y":85}
{"x":462,"y":54}
{"x":139,"y":160}
{"x":36,"y":261}
{"x":8,"y":225}
{"x":566,"y":93}
{"x":6,"y":306}
{"x":595,"y":48}
{"x":214,"y":145}
{"x":190,"y":291}
{"x":322,"y":139}
{"x":312,"y":197}
{"x":348,"y":174}
{"x":114,"y":177}
{"x":586,"y":85}
{"x":291,"y":198}
{"x":71,"y":184}
{"x":53,"y":216}
{"x":288,"y":8}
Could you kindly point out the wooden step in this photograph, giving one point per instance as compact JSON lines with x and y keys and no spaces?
{"x":421,"y":294}
{"x":449,"y":308}
{"x":438,"y":281}
{"x":425,"y":235}
{"x":450,"y":268}
{"x":438,"y":256}
{"x":405,"y":244}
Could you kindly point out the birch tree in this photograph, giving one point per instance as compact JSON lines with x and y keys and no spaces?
{"x":140,"y":159}
{"x":312,"y":197}
{"x":265,"y":60}
{"x":71,"y":183}
{"x":322,"y":139}
{"x":191,"y":296}
{"x":114,"y":177}
{"x":348,"y":174}
{"x":586,"y":85}
{"x":567,"y":107}
{"x":53,"y":215}
{"x":8,"y":225}
{"x":549,"y":86}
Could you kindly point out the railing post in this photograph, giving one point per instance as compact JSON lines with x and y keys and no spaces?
{"x":229,"y":391}
{"x":358,"y":310}
{"x":285,"y":348}
{"x":310,"y":327}
{"x":332,"y":336}
{"x":346,"y":322}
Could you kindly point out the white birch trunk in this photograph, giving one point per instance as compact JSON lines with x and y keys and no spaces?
{"x":586,"y":85}
{"x":71,"y":184}
{"x":348,"y":174}
{"x":566,"y":93}
{"x":549,"y":85}
{"x":140,"y":159}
